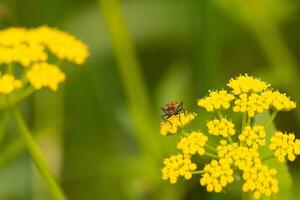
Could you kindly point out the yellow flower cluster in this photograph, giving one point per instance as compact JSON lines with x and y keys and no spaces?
{"x":45,"y":75}
{"x":216,"y":100}
{"x":245,"y":84}
{"x":259,"y":180}
{"x":27,"y":46}
{"x":279,"y":101}
{"x":285,"y":145}
{"x":178,"y":165}
{"x":193,"y":143}
{"x":30,"y":48}
{"x":241,"y":152}
{"x":221,"y":127}
{"x":8,"y":84}
{"x":173,"y":123}
{"x":253,"y":136}
{"x":217,"y":175}
{"x":252,"y":104}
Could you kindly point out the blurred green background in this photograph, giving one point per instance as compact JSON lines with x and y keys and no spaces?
{"x":100,"y":132}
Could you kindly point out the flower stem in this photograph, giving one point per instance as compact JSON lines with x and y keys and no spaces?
{"x":211,"y":148}
{"x":249,"y":121}
{"x":269,"y":122}
{"x":37,"y":156}
{"x":220,"y":115}
{"x":244,"y":121}
{"x":268,"y":157}
{"x":198,"y":172}
{"x":212,"y":155}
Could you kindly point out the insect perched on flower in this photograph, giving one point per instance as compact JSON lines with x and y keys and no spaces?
{"x":171,"y":108}
{"x":237,"y":154}
{"x":174,"y":117}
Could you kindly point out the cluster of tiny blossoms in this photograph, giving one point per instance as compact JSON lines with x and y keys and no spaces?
{"x":238,"y":150}
{"x":26,"y":55}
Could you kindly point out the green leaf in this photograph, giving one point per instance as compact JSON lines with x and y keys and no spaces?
{"x":283,"y":175}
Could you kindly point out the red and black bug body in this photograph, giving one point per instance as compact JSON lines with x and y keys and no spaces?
{"x":170,"y":109}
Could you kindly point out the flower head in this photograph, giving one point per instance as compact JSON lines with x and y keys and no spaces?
{"x":279,"y":101}
{"x":245,"y":84}
{"x":259,"y":180}
{"x":8,"y":84}
{"x":30,"y":48}
{"x":251,"y":104}
{"x":173,"y":123}
{"x":216,"y":100}
{"x":217,"y":175}
{"x":178,"y":165}
{"x":193,"y":143}
{"x":253,"y":136}
{"x":221,"y":127}
{"x":285,"y":145}
{"x":45,"y":75}
{"x":238,"y":153}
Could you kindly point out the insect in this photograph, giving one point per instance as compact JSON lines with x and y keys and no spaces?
{"x":170,"y":109}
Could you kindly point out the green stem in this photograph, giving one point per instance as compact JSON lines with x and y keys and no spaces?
{"x":211,"y":148}
{"x":249,"y":121}
{"x":15,"y":98}
{"x":268,"y":157}
{"x":212,"y":155}
{"x":198,"y":172}
{"x":271,"y":119}
{"x":244,"y":121}
{"x":3,"y":126}
{"x":132,"y":77}
{"x":220,"y":115}
{"x":230,"y":139}
{"x":37,"y":156}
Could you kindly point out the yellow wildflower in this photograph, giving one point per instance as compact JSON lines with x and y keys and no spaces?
{"x":217,"y":175}
{"x":279,"y":101}
{"x":285,"y":145}
{"x":259,"y":180}
{"x":221,"y":127}
{"x":216,"y":100}
{"x":193,"y":143}
{"x":25,"y":54}
{"x":253,"y":136}
{"x":241,"y":156}
{"x":45,"y":75}
{"x":61,"y":44}
{"x":8,"y":84}
{"x":245,"y":84}
{"x":27,"y":46}
{"x":178,"y":165}
{"x":173,"y":123}
{"x":251,"y":104}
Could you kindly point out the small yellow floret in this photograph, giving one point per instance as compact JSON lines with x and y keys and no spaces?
{"x":216,"y":100}
{"x":285,"y":145}
{"x":178,"y":165}
{"x":253,"y":136}
{"x":245,"y":84}
{"x":173,"y":123}
{"x":8,"y":84}
{"x":45,"y":75}
{"x":221,"y":127}
{"x":193,"y":143}
{"x":217,"y":175}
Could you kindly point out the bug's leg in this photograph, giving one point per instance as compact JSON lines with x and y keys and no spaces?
{"x":165,"y":117}
{"x":164,"y":110}
{"x":179,"y":119}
